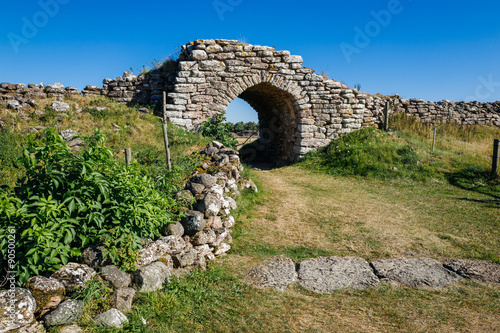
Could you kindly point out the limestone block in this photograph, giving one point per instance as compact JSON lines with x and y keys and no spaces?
{"x":199,"y":55}
{"x":212,"y":65}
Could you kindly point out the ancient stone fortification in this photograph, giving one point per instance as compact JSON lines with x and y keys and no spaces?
{"x":298,"y":109}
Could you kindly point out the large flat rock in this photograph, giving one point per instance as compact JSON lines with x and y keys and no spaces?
{"x":477,"y":270}
{"x":416,"y":272}
{"x":278,"y":273}
{"x":327,"y":274}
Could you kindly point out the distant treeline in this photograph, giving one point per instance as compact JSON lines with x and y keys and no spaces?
{"x":241,"y":126}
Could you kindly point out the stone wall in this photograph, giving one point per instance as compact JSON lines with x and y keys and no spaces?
{"x":298,"y":109}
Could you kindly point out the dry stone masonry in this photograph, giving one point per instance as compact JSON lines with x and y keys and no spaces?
{"x":298,"y":109}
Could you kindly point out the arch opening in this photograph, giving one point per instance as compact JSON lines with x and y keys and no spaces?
{"x":277,"y":126}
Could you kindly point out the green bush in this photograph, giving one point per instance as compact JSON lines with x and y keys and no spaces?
{"x":369,"y":152}
{"x":218,"y":129}
{"x":67,"y":201}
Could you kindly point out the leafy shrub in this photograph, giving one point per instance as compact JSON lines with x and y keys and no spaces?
{"x":369,"y":152}
{"x":67,"y":201}
{"x":218,"y":129}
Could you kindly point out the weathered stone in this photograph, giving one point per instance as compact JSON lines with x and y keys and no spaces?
{"x":204,"y":237}
{"x":205,"y":179}
{"x":151,"y":277}
{"x":327,"y":274}
{"x":184,"y":259}
{"x":111,"y":318}
{"x":74,"y":275}
{"x":115,"y":276}
{"x":73,"y":328}
{"x":17,"y":308}
{"x":122,"y":299}
{"x":175,"y":229}
{"x":211,"y":204}
{"x":67,"y":312}
{"x":477,"y":270}
{"x":154,"y":250}
{"x":60,"y":106}
{"x":93,"y":256}
{"x":48,"y":293}
{"x":193,"y":222}
{"x":33,"y":327}
{"x":416,"y":272}
{"x":68,"y":134}
{"x":222,"y":249}
{"x":278,"y":273}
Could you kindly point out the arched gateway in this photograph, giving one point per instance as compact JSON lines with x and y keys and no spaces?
{"x":298,"y":110}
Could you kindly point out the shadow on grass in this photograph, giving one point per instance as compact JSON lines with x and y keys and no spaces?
{"x":475,"y":179}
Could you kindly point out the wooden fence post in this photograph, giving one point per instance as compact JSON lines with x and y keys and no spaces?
{"x":128,"y":155}
{"x":165,"y":131}
{"x":494,"y":164}
{"x":434,"y":139}
{"x":386,"y":116}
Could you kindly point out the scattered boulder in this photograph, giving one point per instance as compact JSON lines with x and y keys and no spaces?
{"x":48,"y":293}
{"x":416,"y":272}
{"x":116,"y":277}
{"x":67,"y":312}
{"x":74,"y":275}
{"x":111,"y":318}
{"x":151,"y":277}
{"x":477,"y":270}
{"x":122,"y":299}
{"x":327,"y":274}
{"x":59,"y":106}
{"x":17,"y":309}
{"x":278,"y":273}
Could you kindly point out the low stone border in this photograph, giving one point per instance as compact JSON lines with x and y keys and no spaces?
{"x":327,"y":274}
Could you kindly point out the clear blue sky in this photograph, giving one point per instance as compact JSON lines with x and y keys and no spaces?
{"x":425,"y":49}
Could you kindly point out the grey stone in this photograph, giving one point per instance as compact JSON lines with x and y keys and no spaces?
{"x":210,"y":205}
{"x":217,"y":144}
{"x":193,"y":222}
{"x":67,"y":312}
{"x":73,"y":328}
{"x":111,"y":318}
{"x":123,"y":298}
{"x":416,"y":272}
{"x":175,"y":229}
{"x":115,"y":276}
{"x":68,"y":134}
{"x":33,"y":327}
{"x":327,"y":274}
{"x":222,"y":249}
{"x":14,"y":104}
{"x":154,"y":250}
{"x":48,"y":293}
{"x":278,"y":273}
{"x":203,"y":237}
{"x":184,"y":259}
{"x":151,"y":277}
{"x":74,"y":275}
{"x":477,"y":270}
{"x":60,"y":106}
{"x":17,"y":308}
{"x":195,"y":188}
{"x":205,"y":179}
{"x":93,"y":256}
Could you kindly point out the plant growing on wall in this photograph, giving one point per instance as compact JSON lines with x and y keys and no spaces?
{"x":66,"y":201}
{"x":219,"y":129}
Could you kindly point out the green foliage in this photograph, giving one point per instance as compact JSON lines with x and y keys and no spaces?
{"x":241,"y":126}
{"x":96,"y":298}
{"x":67,"y":201}
{"x":10,"y":143}
{"x":218,"y":129}
{"x":371,"y":153}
